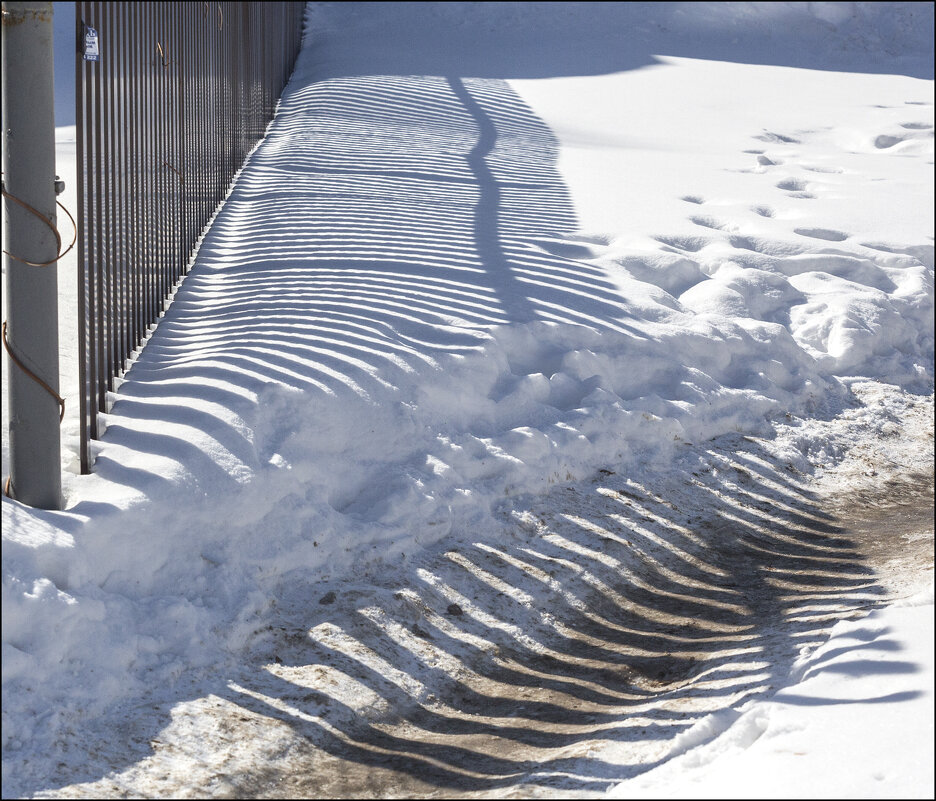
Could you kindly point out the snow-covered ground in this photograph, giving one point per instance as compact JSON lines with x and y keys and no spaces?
{"x":548,"y":411}
{"x":840,"y":730}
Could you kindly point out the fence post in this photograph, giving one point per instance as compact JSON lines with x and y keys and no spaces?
{"x":31,"y":328}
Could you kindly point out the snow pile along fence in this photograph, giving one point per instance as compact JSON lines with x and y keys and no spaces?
{"x":171,"y":97}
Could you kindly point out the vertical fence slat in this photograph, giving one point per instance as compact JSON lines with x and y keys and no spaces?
{"x":98,"y":268}
{"x":161,"y":131}
{"x":81,"y":67}
{"x":121,"y":192}
{"x":145,"y":187}
{"x":112,"y":313}
{"x":159,"y":150}
{"x":163,"y":112}
{"x":136,"y":201}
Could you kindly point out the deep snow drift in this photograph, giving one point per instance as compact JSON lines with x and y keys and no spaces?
{"x":486,"y":250}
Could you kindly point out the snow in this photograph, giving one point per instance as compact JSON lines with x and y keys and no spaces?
{"x":861,"y":679}
{"x":610,"y":325}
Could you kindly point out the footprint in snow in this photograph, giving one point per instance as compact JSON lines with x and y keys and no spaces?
{"x":885,"y":141}
{"x":693,"y":199}
{"x":822,"y":233}
{"x":744,"y":243}
{"x":795,"y":187}
{"x":791,"y":185}
{"x":770,"y":136}
{"x":706,"y":222}
{"x":763,"y":162}
{"x":764,"y":211}
{"x":692,"y":244}
{"x":916,"y":126}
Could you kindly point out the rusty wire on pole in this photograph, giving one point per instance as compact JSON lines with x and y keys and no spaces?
{"x":167,"y":112}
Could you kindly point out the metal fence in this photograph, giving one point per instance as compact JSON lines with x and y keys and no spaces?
{"x":166,"y":114}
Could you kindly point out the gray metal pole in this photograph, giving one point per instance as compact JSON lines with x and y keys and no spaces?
{"x":31,"y":292}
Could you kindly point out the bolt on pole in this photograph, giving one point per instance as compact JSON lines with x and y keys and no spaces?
{"x":31,"y":291}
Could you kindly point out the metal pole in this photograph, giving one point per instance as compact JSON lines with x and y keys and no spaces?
{"x":31,"y":291}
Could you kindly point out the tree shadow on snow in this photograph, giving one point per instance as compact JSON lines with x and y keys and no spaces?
{"x":390,"y":220}
{"x":384,"y":226}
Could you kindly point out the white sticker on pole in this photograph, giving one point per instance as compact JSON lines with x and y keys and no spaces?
{"x":91,"y":52}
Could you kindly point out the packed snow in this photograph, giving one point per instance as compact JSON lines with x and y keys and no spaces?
{"x":867,"y":671}
{"x":548,"y":411}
